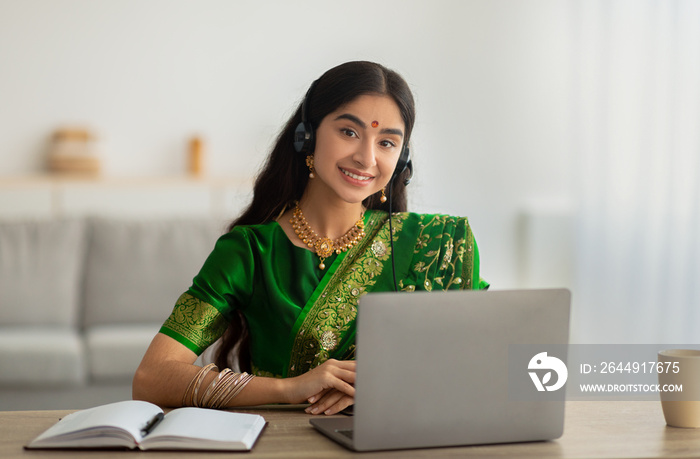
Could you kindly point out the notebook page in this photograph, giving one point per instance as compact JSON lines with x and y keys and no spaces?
{"x":104,"y":422}
{"x":199,"y":427}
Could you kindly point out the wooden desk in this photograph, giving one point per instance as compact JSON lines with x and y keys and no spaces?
{"x":592,"y":429}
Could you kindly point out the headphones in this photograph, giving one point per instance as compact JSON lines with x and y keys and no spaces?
{"x":304,"y":140}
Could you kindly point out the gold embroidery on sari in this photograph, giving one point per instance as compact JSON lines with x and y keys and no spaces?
{"x":440,"y":262}
{"x":328,"y":340}
{"x":407,"y":287}
{"x":197,"y":321}
{"x":335,"y":309}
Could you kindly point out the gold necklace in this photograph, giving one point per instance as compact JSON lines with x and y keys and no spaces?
{"x":325,"y":246}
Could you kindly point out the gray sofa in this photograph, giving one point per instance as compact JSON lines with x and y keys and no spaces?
{"x":81,"y":299}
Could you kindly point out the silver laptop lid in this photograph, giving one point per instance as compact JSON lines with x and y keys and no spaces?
{"x":432,"y":368}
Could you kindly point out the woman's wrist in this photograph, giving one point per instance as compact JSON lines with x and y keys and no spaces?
{"x":284,"y":389}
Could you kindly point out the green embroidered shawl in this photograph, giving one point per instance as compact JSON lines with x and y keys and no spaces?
{"x":300,"y":316}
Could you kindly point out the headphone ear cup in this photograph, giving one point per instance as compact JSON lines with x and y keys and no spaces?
{"x":403,"y":163}
{"x":304,"y":133}
{"x":303,"y":138}
{"x":408,"y":179}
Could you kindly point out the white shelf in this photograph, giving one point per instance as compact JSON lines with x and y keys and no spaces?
{"x":56,"y":196}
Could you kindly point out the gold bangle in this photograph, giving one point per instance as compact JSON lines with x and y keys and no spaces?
{"x":193,"y":388}
{"x":215,"y":387}
{"x":211,"y":388}
{"x":225,"y":388}
{"x":190,"y":387}
{"x":241,"y":386}
{"x":200,"y":381}
{"x":241,"y":382}
{"x":219,"y":392}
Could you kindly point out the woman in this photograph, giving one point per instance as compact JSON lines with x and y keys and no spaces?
{"x":281,"y":288}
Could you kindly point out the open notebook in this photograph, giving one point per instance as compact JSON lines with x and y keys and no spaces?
{"x":135,"y":424}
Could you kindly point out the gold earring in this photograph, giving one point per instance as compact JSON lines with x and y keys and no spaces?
{"x":383,"y":198}
{"x":310,"y":165}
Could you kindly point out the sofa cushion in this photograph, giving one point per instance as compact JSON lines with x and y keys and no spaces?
{"x":41,"y":268}
{"x":41,"y":356}
{"x":136,"y":270}
{"x":115,"y":351}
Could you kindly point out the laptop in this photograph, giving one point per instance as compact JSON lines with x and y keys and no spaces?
{"x":437,"y":369}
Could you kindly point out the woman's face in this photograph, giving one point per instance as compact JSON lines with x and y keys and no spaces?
{"x":357,"y":147}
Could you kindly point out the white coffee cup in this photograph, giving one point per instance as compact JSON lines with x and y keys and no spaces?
{"x":680,"y":367}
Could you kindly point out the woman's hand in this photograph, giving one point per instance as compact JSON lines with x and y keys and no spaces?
{"x":328,"y":387}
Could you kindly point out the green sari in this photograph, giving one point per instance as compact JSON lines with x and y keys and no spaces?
{"x":300,"y":316}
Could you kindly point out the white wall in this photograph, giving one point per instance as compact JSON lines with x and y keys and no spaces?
{"x":490,"y":78}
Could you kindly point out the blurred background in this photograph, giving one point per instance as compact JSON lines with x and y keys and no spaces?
{"x":566,"y":130}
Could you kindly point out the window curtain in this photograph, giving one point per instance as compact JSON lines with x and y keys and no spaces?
{"x":636,"y":135}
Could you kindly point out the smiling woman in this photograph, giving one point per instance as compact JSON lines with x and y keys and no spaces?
{"x":280,"y":289}
{"x":353,"y":160}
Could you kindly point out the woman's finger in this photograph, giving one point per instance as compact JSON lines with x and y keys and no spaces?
{"x":317,"y":397}
{"x":339,"y":406}
{"x":330,"y":403}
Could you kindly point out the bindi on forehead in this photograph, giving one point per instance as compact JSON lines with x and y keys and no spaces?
{"x":374,"y":124}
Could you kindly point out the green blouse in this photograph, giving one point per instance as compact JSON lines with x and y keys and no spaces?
{"x":299,"y":315}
